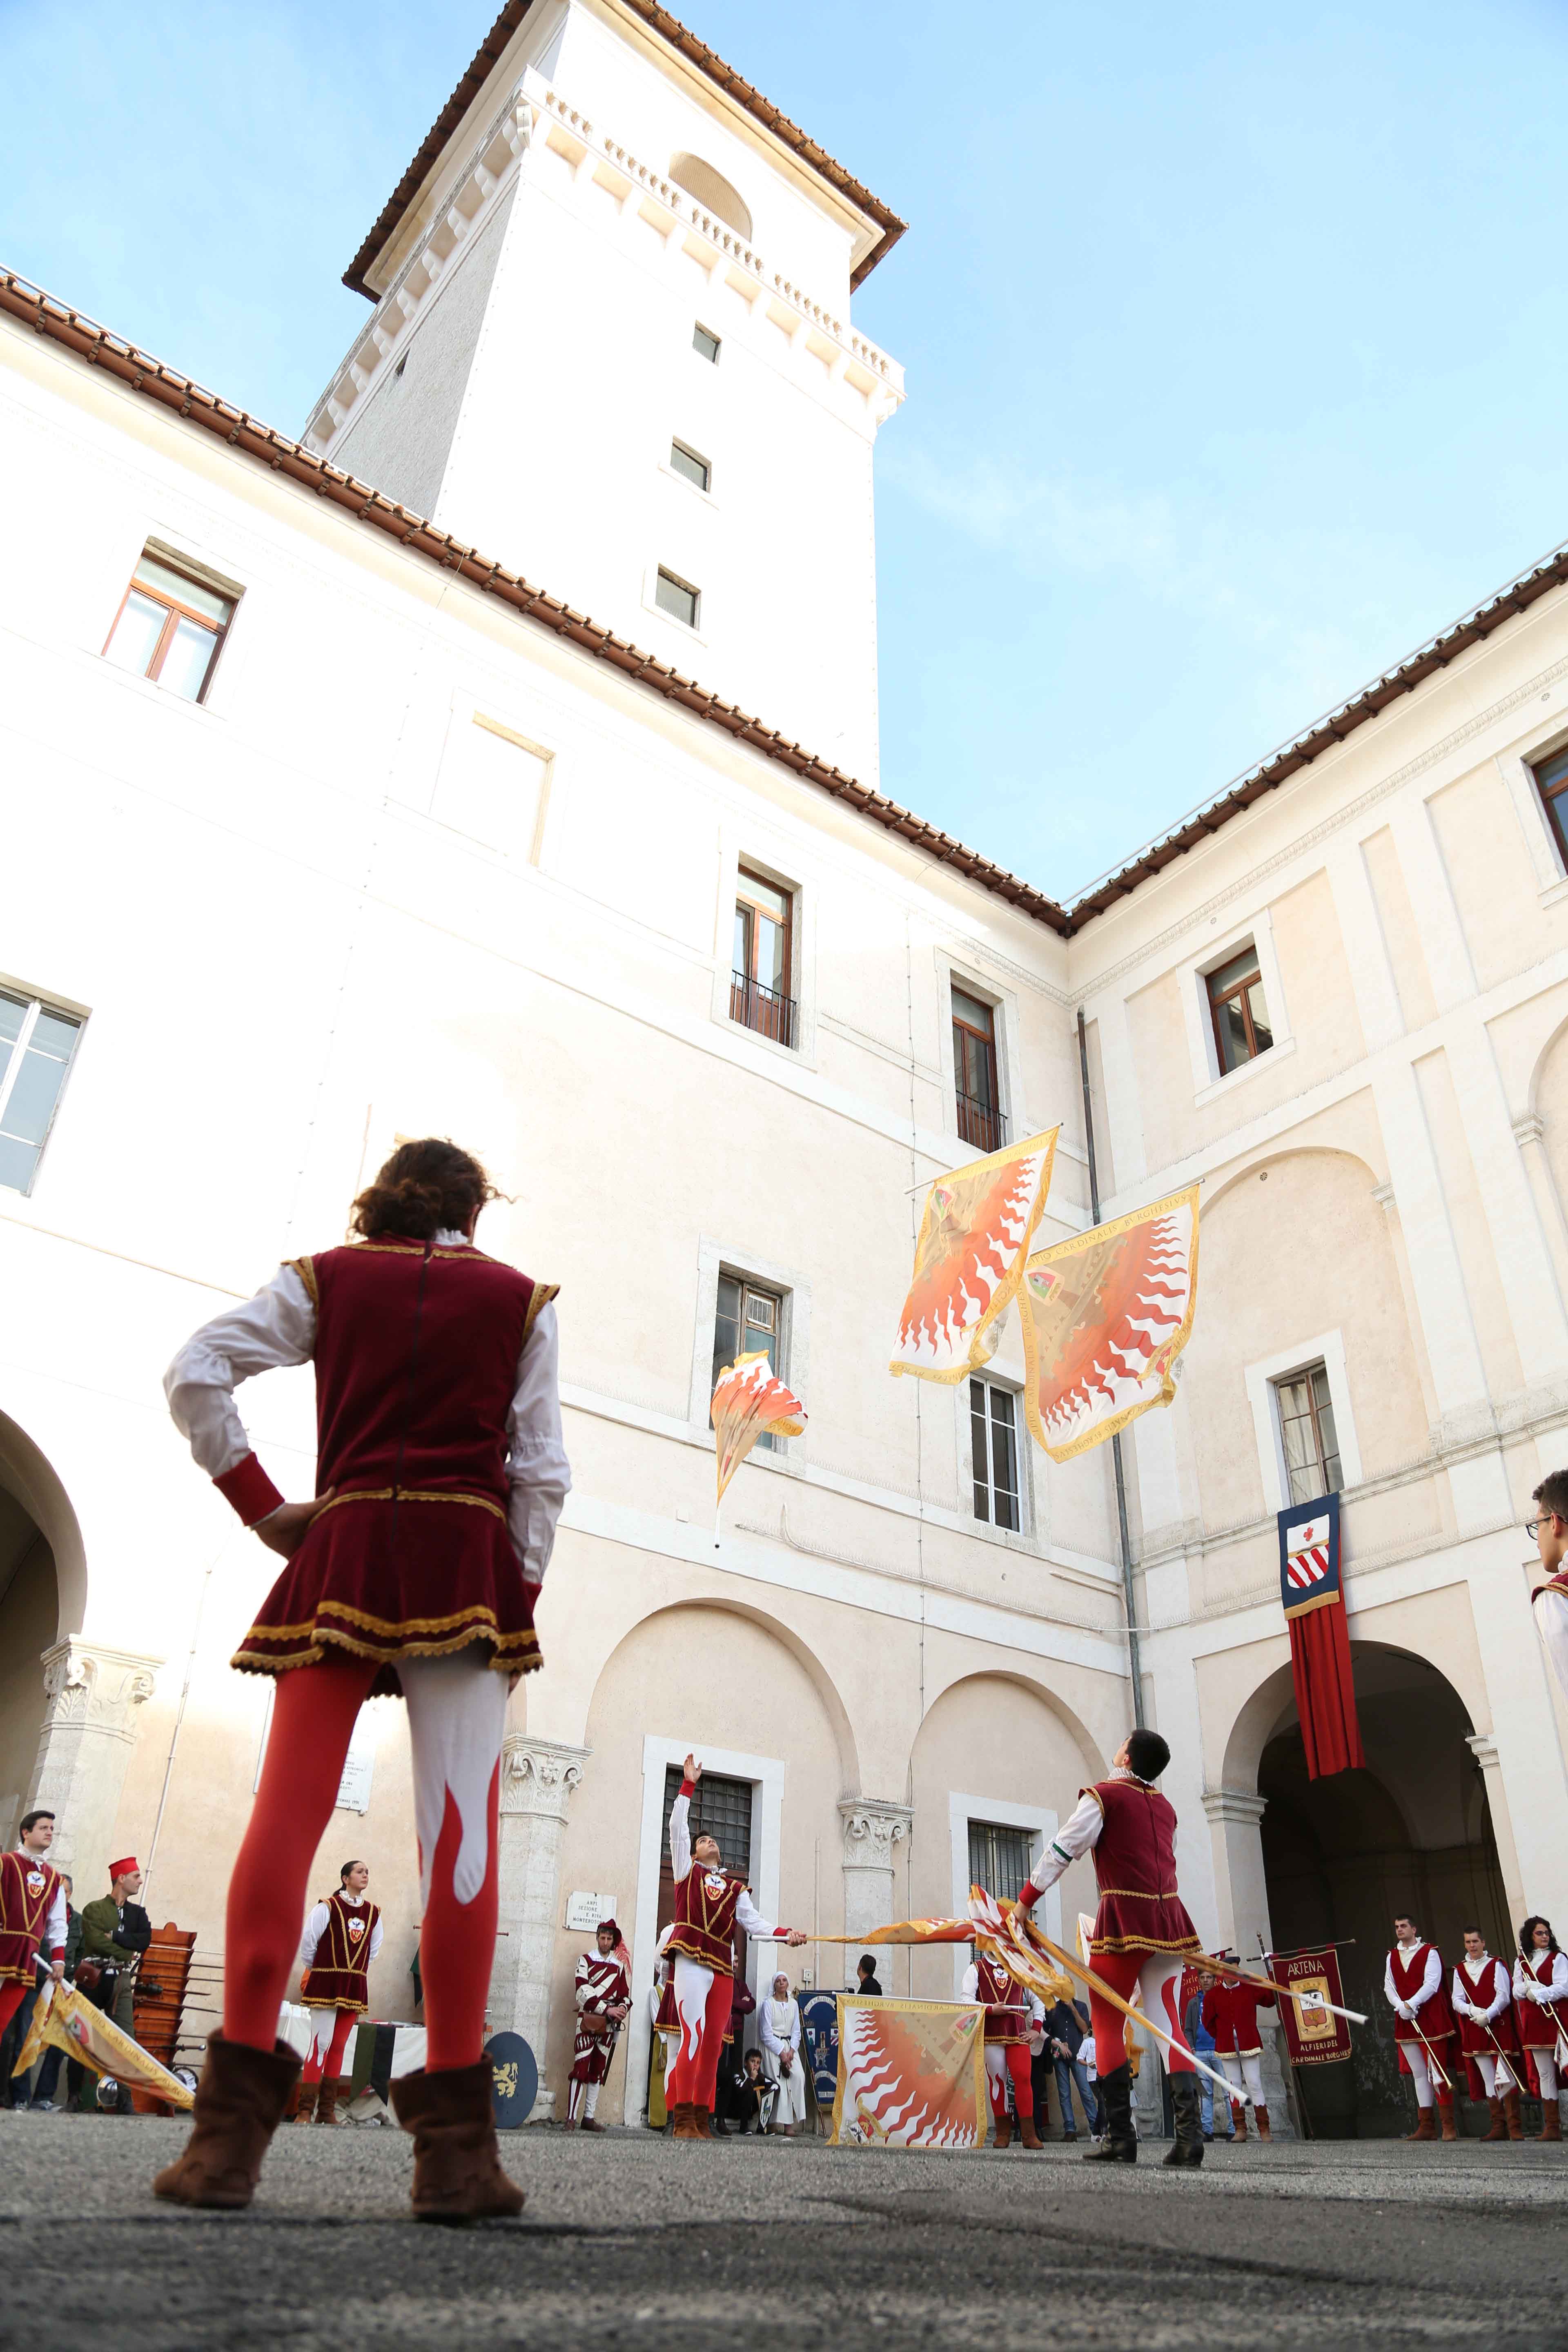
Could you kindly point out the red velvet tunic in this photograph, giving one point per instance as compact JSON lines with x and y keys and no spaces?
{"x":1135,"y":1867}
{"x":26,"y":1892}
{"x":1007,"y":2016}
{"x":668,"y":2017}
{"x":339,"y":1975}
{"x":1479,"y":2041}
{"x":416,"y":1352}
{"x":1538,"y":2027}
{"x":1435,"y":2018}
{"x":1230,"y":2014}
{"x":705,"y":1905}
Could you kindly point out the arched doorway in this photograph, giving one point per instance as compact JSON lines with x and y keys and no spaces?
{"x":1342,"y":1857}
{"x":29,"y":1615}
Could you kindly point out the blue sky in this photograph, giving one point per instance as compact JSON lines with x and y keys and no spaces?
{"x":1236,"y":337}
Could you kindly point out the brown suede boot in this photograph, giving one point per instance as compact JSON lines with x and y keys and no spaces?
{"x":683,"y":2120}
{"x":1001,"y":2130}
{"x":1550,"y":2120}
{"x":326,"y":2100}
{"x":1498,"y":2127}
{"x":1263,"y":2130}
{"x":240,"y":2104}
{"x":291,"y":2112}
{"x":457,"y":2174}
{"x":1026,"y":2132}
{"x":702,"y":2118}
{"x":1511,"y":2115}
{"x":1445,"y":2109}
{"x":1238,"y":2117}
{"x":1424,"y":2128}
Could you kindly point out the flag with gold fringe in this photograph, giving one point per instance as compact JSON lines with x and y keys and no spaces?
{"x":912,"y":2074}
{"x":66,"y":2020}
{"x":748,"y":1399}
{"x":1105,"y":1315}
{"x":975,"y":1236}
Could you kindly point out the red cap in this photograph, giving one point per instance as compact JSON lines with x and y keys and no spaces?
{"x":122,"y":1869}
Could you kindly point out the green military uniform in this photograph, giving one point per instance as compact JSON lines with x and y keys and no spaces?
{"x":100,"y":1927}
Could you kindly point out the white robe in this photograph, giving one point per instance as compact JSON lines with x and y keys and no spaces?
{"x":778,"y":2030}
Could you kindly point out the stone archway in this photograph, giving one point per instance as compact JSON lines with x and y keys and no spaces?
{"x":29,"y":1613}
{"x":1341,"y":1856}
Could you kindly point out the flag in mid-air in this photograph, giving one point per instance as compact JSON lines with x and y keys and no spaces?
{"x":1105,"y":1317}
{"x":749,"y":1399}
{"x":975,"y":1236}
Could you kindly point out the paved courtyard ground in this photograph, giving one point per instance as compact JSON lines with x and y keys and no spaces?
{"x":631,"y":2240}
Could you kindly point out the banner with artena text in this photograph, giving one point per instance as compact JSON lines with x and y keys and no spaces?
{"x":912,"y":2074}
{"x":1313,"y":2034}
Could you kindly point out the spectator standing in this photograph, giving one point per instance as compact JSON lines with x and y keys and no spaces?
{"x":1066,"y":2027}
{"x":1201,"y":2040}
{"x":867,"y":1987}
{"x":47,"y":2080}
{"x":115,"y":1932}
{"x":32,"y":1929}
{"x":778,"y":2022}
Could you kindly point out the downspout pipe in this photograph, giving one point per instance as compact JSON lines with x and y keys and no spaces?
{"x":1135,"y":1655}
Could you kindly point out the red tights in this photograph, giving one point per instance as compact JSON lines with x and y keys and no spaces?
{"x":1151,"y":1979}
{"x":10,"y":2002}
{"x":1004,"y":2058}
{"x":342,"y":2026}
{"x":314,"y":1713}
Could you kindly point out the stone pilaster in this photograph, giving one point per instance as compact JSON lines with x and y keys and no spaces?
{"x":1236,"y":1816}
{"x":89,"y":1730}
{"x":537,"y":1778}
{"x":874,"y":1827}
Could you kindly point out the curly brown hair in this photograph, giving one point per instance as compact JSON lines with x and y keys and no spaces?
{"x":428,"y":1187}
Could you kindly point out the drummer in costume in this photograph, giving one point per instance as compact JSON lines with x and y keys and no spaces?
{"x":602,"y":1997}
{"x":343,"y":1936}
{"x":1423,"y":2025}
{"x":1540,"y":2012}
{"x":709,"y":1900}
{"x":1141,"y":1936}
{"x":1009,"y":2013}
{"x":441,"y":1475}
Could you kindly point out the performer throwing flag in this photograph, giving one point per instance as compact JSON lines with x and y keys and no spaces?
{"x":603,"y":1995}
{"x":1483,"y":1993}
{"x":1230,"y":2014}
{"x":415,"y":1571}
{"x":1540,"y":2004}
{"x":707,"y":1902}
{"x":343,"y":1936}
{"x":1009,"y":2013}
{"x":1423,"y":2026}
{"x":1141,"y":1936}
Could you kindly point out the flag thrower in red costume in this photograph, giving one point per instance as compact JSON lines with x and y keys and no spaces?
{"x":440,"y":1474}
{"x":1423,"y":2025}
{"x":343,"y":1936}
{"x":601,"y":1996}
{"x":709,"y":1901}
{"x":1230,"y":2014}
{"x":1009,"y":2013}
{"x":1481,"y":1994}
{"x":1541,"y":2009}
{"x":1142,"y":1934}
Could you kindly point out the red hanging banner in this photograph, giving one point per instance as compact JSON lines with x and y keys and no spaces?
{"x":1311,"y":1590}
{"x":1313,"y":2035}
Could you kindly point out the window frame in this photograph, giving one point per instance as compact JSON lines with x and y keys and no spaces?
{"x":1549,"y":796}
{"x":1309,"y":1374}
{"x":730,"y":1256}
{"x":679,"y":448}
{"x":175,"y":612}
{"x":777,"y":1299}
{"x":787,"y":999}
{"x":977,"y":1114}
{"x":1325,"y":1348}
{"x":1239,"y":991}
{"x":711,"y":357}
{"x":1254,"y":931}
{"x":662,"y":573}
{"x":38,"y":1005}
{"x":992,"y":1387}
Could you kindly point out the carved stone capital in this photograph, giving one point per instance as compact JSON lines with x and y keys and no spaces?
{"x":91,"y":1684}
{"x":1483,"y":1747}
{"x":537,"y":1776}
{"x":873,"y":1826}
{"x":1236,"y":1808}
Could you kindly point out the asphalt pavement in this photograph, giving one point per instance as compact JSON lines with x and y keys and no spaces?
{"x":632,"y":2239}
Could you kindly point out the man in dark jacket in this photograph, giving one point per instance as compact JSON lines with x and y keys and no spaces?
{"x":1066,"y":2026}
{"x":116,"y":1931}
{"x":869,"y":1989}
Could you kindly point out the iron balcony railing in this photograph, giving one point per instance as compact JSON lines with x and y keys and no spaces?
{"x":982,"y":1123}
{"x":766,"y":1010}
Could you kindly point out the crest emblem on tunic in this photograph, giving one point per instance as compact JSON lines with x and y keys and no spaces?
{"x":356,"y":1930}
{"x":714,"y":1881}
{"x":36,"y":1882}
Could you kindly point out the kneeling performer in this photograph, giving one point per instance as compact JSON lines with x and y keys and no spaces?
{"x":708,"y":1902}
{"x":1141,"y":1936}
{"x":1007,"y":2020}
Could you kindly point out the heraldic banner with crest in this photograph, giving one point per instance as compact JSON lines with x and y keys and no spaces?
{"x":1311,"y":1588}
{"x":912,"y":2074}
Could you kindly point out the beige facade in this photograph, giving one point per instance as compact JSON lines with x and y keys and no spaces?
{"x":418,"y":862}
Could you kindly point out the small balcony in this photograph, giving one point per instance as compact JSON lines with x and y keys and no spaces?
{"x":981,"y":1124}
{"x":766,"y":1010}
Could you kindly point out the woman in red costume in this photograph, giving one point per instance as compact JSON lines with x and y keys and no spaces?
{"x":441,"y":1475}
{"x":343,"y":1936}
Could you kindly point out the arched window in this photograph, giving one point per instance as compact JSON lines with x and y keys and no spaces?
{"x":711,"y":188}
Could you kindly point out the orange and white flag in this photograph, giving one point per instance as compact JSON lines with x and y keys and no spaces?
{"x":974,"y":1236}
{"x":748,"y":1400}
{"x":1105,"y":1317}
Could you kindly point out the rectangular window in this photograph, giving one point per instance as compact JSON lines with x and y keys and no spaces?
{"x":677,"y":597}
{"x":748,"y":1322}
{"x":999,"y":1859}
{"x":1551,"y":784}
{"x":36,"y":1049}
{"x":981,"y":1120}
{"x":170,"y":627}
{"x":1241,"y":1030}
{"x":762,"y":974}
{"x":994,"y":1432}
{"x":1307,"y":1431}
{"x":704,"y":345}
{"x":688,"y":463}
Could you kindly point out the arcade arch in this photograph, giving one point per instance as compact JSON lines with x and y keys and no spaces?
{"x":43,"y":1595}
